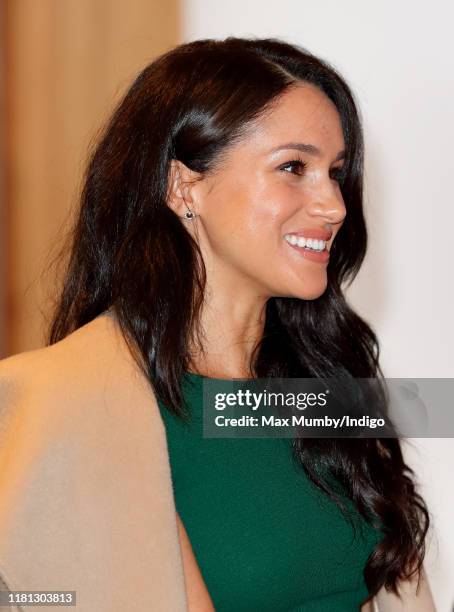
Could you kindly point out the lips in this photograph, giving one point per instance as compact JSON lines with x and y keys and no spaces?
{"x":313,"y":232}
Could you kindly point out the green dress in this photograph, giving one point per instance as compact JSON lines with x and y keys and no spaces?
{"x":265,"y":538}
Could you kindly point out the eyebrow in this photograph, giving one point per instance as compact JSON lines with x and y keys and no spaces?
{"x":306,"y":148}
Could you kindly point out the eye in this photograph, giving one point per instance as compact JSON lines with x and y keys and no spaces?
{"x":297,"y":166}
{"x":339,"y":174}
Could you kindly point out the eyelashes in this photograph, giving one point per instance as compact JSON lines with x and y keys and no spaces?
{"x":338,"y":174}
{"x":294,"y":163}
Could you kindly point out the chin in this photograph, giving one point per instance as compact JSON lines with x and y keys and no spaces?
{"x":302,"y":291}
{"x":310,"y":296}
{"x":301,"y":295}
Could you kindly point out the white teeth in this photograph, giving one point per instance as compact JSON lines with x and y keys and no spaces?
{"x":308,"y":243}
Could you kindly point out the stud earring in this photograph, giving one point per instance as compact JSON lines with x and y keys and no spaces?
{"x":189,"y":215}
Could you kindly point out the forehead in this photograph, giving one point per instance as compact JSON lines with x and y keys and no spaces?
{"x":303,"y":113}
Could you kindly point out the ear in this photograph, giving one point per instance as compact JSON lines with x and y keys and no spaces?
{"x":180,"y":195}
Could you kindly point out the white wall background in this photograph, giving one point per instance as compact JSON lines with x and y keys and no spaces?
{"x":399,"y":59}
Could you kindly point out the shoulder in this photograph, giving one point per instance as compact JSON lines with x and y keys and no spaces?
{"x":79,"y":401}
{"x":93,"y":349}
{"x":84,"y":475}
{"x":89,"y":368}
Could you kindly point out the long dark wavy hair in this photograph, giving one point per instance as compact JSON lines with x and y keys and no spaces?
{"x":130,"y":252}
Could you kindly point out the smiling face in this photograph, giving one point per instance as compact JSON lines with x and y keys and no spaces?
{"x":269,"y":192}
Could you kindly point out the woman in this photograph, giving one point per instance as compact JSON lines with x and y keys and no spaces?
{"x":220,"y":216}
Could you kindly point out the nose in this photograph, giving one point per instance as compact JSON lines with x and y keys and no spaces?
{"x":329,"y":205}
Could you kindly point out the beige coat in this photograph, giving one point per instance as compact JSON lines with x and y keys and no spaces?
{"x":86,"y":500}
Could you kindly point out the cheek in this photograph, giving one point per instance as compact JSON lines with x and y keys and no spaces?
{"x":250,"y":224}
{"x":267,"y":217}
{"x":272,"y":206}
{"x":246,"y":222}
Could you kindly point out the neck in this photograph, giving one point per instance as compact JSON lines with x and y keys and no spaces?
{"x":232,"y":325}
